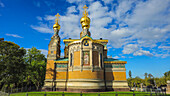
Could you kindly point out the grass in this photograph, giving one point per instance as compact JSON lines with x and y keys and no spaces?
{"x":84,"y":94}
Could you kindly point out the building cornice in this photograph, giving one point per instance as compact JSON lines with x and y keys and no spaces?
{"x":116,"y":62}
{"x":60,"y":61}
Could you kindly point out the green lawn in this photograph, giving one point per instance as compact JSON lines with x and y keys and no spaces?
{"x":84,"y":94}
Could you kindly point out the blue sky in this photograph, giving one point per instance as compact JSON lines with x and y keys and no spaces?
{"x":138,"y":30}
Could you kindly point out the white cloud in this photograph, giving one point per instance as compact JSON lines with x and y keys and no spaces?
{"x":43,"y":51}
{"x":135,"y":50}
{"x":39,"y":18}
{"x":2,"y":4}
{"x":130,"y":48}
{"x":49,"y":17}
{"x":136,"y":26}
{"x":149,"y":24}
{"x":149,"y":14}
{"x":46,"y":39}
{"x":120,"y":37}
{"x":162,"y":55}
{"x":142,"y":52}
{"x":43,"y":28}
{"x":71,"y":9}
{"x":78,"y":1}
{"x":123,"y":57}
{"x":97,"y":10}
{"x":73,"y":1}
{"x":70,"y":26}
{"x":107,"y":1}
{"x":164,"y":47}
{"x":14,"y":35}
{"x":121,"y":9}
{"x":116,"y":57}
{"x":163,"y":51}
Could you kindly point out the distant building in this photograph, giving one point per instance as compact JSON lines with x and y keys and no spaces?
{"x":85,"y":66}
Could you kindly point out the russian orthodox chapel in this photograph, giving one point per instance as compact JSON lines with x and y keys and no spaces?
{"x":85,"y":66}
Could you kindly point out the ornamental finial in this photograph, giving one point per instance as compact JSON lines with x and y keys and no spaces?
{"x":57,"y":19}
{"x":85,"y":13}
{"x":56,"y":25}
{"x":85,"y":20}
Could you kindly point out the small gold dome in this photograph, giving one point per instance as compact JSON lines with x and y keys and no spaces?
{"x":85,"y":22}
{"x":56,"y":26}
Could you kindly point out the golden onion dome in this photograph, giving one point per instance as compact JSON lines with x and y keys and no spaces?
{"x":85,"y":20}
{"x":56,"y":26}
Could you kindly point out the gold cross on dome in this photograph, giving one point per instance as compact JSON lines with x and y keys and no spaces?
{"x":85,"y":7}
{"x":57,"y":19}
{"x":85,"y":13}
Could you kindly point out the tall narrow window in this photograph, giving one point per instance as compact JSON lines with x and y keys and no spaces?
{"x":101,"y":59}
{"x":71,"y":59}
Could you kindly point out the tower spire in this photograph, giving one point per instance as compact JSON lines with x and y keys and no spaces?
{"x":85,"y":13}
{"x":57,"y":19}
{"x":56,"y":26}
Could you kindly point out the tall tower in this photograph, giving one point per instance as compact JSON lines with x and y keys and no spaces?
{"x":53,"y":55}
{"x":85,"y":23}
{"x":54,"y":45}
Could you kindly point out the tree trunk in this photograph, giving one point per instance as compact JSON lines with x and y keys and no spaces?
{"x":37,"y":86}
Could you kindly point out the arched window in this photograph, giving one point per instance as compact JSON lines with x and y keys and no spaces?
{"x":71,"y":59}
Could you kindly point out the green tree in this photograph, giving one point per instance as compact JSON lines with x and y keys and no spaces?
{"x":160,"y":81}
{"x":146,"y":75}
{"x":36,"y":67}
{"x":150,"y":75}
{"x":137,"y":81}
{"x":130,"y":74}
{"x":149,"y":82}
{"x":134,"y":82}
{"x":12,"y":64}
{"x":167,"y":75}
{"x":130,"y":83}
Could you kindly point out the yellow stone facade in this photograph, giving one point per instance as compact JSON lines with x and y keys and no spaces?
{"x":85,"y":66}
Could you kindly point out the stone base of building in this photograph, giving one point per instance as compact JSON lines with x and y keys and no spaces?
{"x":85,"y":90}
{"x":85,"y":86}
{"x":117,"y":86}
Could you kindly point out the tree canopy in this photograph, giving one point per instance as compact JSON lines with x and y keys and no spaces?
{"x":149,"y":80}
{"x":11,"y":62}
{"x":20,"y":67}
{"x":36,"y":67}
